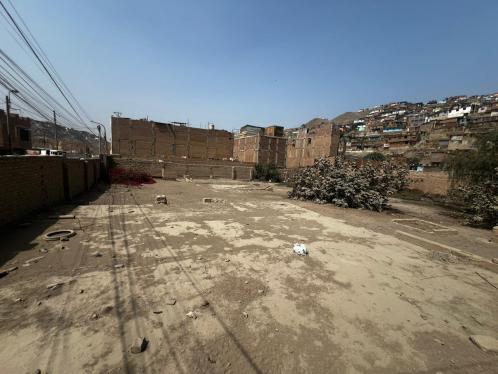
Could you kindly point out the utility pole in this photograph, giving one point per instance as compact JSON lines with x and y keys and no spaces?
{"x":55,"y":127}
{"x":9,"y":139}
{"x":105,"y":140}
{"x":100,"y":140}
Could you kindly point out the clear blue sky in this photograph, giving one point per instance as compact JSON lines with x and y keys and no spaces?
{"x":260,"y":62}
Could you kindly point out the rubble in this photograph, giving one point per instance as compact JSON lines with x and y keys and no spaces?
{"x":33,"y":260}
{"x":161,"y":199}
{"x":207,"y":200}
{"x":486,"y":343}
{"x":140,"y":345}
{"x":245,"y":315}
{"x":53,"y":286}
{"x":5,"y":272}
{"x":191,"y":314}
{"x":107,"y":309}
{"x":63,"y":216}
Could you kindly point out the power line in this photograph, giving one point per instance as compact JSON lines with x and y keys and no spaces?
{"x":49,"y":63}
{"x":19,"y":30}
{"x":39,"y":91}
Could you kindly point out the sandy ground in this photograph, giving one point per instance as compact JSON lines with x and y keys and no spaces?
{"x":373,"y":296}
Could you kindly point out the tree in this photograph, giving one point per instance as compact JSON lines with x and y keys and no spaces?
{"x":474,"y":180}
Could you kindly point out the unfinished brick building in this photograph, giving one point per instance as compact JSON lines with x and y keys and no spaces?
{"x":318,"y":138}
{"x":20,"y":133}
{"x":144,"y":139}
{"x":263,"y":146}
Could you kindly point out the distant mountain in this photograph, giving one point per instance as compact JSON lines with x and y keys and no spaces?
{"x":72,"y":141}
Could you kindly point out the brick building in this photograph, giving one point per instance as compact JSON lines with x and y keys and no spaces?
{"x":259,"y":145}
{"x":318,"y":138}
{"x":20,"y":133}
{"x":144,"y":139}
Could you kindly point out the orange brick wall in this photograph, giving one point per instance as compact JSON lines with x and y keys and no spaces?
{"x":431,"y":182}
{"x":311,"y":144}
{"x":144,"y":139}
{"x":260,"y":149}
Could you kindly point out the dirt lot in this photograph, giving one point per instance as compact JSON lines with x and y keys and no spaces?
{"x":393,"y":292}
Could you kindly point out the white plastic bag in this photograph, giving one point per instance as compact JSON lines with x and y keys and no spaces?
{"x":300,"y":249}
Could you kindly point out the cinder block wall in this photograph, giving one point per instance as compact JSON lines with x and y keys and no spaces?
{"x":75,"y":177}
{"x":32,"y":183}
{"x":180,"y":168}
{"x":29,"y":184}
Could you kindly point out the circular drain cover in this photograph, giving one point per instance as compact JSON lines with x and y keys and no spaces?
{"x":59,"y":234}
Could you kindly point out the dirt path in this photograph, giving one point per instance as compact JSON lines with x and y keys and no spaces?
{"x":364,"y":300}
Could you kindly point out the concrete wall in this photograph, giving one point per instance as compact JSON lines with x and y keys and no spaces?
{"x":144,"y":139}
{"x":180,"y":168}
{"x":430,"y":182}
{"x":32,"y":183}
{"x":260,"y":149}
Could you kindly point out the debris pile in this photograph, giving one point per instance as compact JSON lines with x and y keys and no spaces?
{"x":129,"y":177}
{"x":207,"y":200}
{"x":349,"y":184}
{"x":161,"y":199}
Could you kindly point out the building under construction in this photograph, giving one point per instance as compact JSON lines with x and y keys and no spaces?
{"x":144,"y":139}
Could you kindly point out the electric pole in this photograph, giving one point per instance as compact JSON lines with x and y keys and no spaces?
{"x":55,"y":127}
{"x":7,"y":103}
{"x":100,"y":141}
{"x":105,"y":140}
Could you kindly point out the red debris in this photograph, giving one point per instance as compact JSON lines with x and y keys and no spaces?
{"x":129,"y":177}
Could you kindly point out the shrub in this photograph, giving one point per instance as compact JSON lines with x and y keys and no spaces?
{"x":375,"y":156}
{"x":474,"y":178}
{"x":480,"y":203}
{"x":349,"y":184}
{"x":267,"y":172}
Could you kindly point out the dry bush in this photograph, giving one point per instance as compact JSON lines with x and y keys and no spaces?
{"x":349,"y":184}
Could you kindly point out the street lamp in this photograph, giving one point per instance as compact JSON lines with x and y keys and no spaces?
{"x":99,"y":126}
{"x":7,"y":103}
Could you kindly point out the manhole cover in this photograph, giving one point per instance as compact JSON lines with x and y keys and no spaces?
{"x":59,"y":234}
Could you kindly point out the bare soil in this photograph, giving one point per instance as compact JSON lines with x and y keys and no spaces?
{"x":373,"y":296}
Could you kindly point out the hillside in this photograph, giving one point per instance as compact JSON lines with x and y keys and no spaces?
{"x":348,"y":117}
{"x":70,"y":140}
